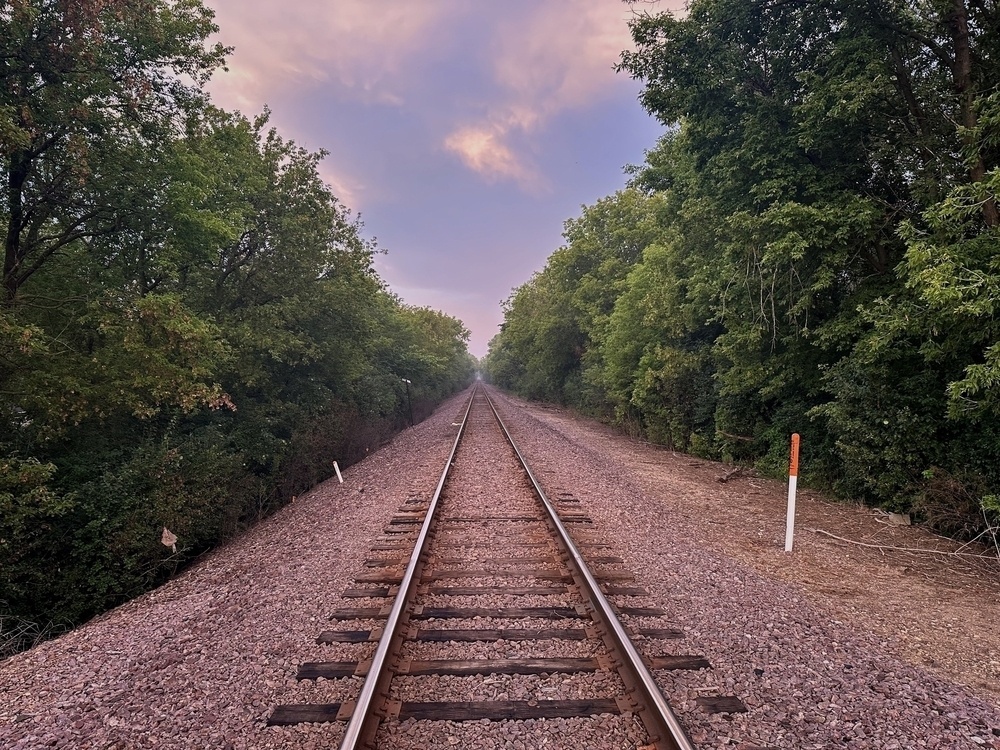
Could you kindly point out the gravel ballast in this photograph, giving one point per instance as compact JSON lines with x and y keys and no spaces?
{"x":201,"y":661}
{"x":809,"y":680}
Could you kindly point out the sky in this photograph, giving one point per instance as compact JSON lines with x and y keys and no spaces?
{"x":464,"y":133}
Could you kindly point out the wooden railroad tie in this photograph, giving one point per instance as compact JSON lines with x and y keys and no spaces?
{"x":454,"y":710}
{"x":336,"y":669}
{"x":380,"y":592}
{"x":501,"y":590}
{"x":500,"y":541}
{"x":613,"y":590}
{"x":349,"y":636}
{"x":502,"y":634}
{"x":491,"y":519}
{"x":466,"y":613}
{"x":478,"y":710}
{"x":492,"y":634}
{"x":548,"y":575}
{"x":417,"y":667}
{"x":515,"y":561}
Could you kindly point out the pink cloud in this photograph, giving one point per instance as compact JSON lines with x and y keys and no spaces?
{"x":297,"y":43}
{"x":483,"y":151}
{"x":544,"y":58}
{"x":559,"y":56}
{"x":348,"y":190}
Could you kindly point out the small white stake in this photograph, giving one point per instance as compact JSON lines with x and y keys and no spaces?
{"x":337,"y":469}
{"x":793,"y":480}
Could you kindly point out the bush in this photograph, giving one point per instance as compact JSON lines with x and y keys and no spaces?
{"x":957,"y":506}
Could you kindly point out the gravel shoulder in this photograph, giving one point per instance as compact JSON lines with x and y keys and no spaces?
{"x":835,"y":645}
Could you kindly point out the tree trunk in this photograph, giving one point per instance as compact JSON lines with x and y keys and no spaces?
{"x":958,"y":21}
{"x":13,"y":250}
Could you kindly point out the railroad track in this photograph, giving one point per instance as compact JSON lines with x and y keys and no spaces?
{"x":501,"y":613}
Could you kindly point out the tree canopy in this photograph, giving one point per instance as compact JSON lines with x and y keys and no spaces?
{"x":821,"y":254}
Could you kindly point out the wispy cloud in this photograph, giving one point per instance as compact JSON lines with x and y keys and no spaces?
{"x":561,"y":56}
{"x":549,"y":59}
{"x":537,"y":60}
{"x":295,"y":43}
{"x":481,"y":149}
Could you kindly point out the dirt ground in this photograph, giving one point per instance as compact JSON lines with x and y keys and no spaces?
{"x":935,"y":604}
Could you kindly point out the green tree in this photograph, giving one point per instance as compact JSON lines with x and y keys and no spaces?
{"x":841,"y":211}
{"x":80,"y":80}
{"x":556,"y":323}
{"x":821,"y":257}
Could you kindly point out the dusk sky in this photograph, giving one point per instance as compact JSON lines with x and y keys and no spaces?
{"x":464,"y":133}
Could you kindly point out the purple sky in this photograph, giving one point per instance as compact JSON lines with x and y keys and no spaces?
{"x":464,"y":133}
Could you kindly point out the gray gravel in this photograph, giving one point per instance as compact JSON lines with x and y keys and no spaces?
{"x":808,"y":680}
{"x":201,"y":661}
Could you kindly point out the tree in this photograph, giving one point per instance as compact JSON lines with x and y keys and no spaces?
{"x":555,"y":324}
{"x":840,"y":209}
{"x":82,"y":80}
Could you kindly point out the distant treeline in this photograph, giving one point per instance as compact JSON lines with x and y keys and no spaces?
{"x":812,"y":247}
{"x":191,"y":329}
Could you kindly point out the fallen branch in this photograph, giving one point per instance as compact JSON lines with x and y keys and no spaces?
{"x":731,"y":436}
{"x":730,"y":474}
{"x":903,"y":549}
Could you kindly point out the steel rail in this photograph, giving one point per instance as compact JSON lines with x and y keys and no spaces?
{"x":661,"y":723}
{"x":363,"y":724}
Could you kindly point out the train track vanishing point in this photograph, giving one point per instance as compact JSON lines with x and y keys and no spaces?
{"x":467,"y":585}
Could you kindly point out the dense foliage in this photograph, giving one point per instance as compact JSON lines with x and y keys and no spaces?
{"x":812,"y":247}
{"x":191,"y":329}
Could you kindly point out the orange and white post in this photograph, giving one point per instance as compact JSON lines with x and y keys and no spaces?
{"x":793,"y":480}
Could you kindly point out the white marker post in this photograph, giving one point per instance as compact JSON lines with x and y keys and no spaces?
{"x":793,"y":480}
{"x":337,"y":469}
